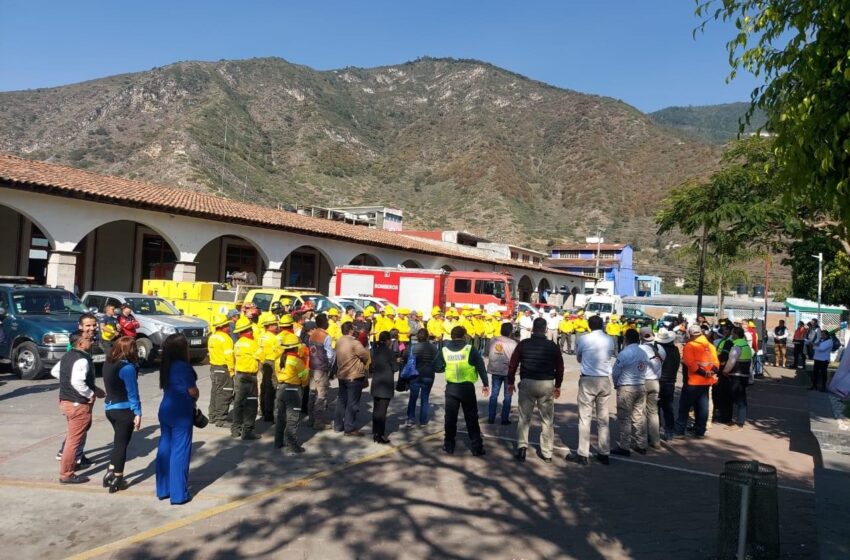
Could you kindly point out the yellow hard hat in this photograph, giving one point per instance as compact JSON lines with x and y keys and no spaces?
{"x":287,"y":321}
{"x":497,"y":315}
{"x":581,"y":313}
{"x":403,"y":311}
{"x":243,"y":324}
{"x":267,"y":318}
{"x":290,"y":341}
{"x":285,"y":301}
{"x":751,"y":324}
{"x":220,"y":320}
{"x":488,"y":316}
{"x":369,"y":311}
{"x":613,"y":316}
{"x":476,"y":311}
{"x":465,"y":313}
{"x":333,"y":312}
{"x":566,"y":312}
{"x":436,"y":311}
{"x":388,"y":310}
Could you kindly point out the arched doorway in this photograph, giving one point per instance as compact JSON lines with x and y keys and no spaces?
{"x":119,"y":255}
{"x":410,"y":263}
{"x":544,"y":290}
{"x":524,"y":289}
{"x":229,"y":254}
{"x":26,"y":246}
{"x":308,"y":267}
{"x":365,"y":259}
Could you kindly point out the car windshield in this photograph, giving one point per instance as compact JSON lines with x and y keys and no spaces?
{"x":46,"y":303}
{"x":320,"y":303}
{"x":151,"y":306}
{"x":599,"y":307}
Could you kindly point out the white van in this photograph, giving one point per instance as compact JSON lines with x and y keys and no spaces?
{"x":603,"y":305}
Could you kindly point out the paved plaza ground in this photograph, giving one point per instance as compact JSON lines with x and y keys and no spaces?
{"x":350,"y":498}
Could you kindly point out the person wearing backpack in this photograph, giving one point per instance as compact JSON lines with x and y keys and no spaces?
{"x":669,"y":371}
{"x":701,"y":367}
{"x":822,"y":350}
{"x":499,"y":358}
{"x":423,"y":352}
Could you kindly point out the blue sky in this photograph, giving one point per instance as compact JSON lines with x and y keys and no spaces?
{"x":640,"y":51}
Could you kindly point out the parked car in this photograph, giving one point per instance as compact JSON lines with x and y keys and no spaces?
{"x":157,"y":318}
{"x":345,"y":302}
{"x":35,"y":324}
{"x":366,"y":301}
{"x":639,"y":317}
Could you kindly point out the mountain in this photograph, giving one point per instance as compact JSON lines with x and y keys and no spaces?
{"x":457,"y":144}
{"x":712,"y":123}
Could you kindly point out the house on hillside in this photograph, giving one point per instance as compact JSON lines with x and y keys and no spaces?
{"x":616,"y":274}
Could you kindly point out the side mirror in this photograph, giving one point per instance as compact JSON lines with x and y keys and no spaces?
{"x":94,"y":309}
{"x":180,"y":312}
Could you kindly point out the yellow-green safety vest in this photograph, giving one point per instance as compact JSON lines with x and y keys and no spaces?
{"x":458,"y":368}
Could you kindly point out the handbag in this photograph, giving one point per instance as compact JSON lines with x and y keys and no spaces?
{"x":200,"y":420}
{"x":409,"y":370}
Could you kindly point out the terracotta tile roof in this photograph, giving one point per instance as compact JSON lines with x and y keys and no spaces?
{"x":589,"y":247}
{"x":60,"y":180}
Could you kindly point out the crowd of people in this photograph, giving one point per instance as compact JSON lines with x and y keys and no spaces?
{"x":277,"y":366}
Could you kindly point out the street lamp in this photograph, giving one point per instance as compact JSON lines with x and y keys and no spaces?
{"x":819,"y":257}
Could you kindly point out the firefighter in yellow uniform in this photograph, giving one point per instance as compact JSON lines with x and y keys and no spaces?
{"x":489,"y":331}
{"x":388,"y":321}
{"x":580,"y":325}
{"x":567,"y":330}
{"x":220,"y":349}
{"x":334,"y":328}
{"x":478,"y":325}
{"x":449,"y":323}
{"x":293,"y":377}
{"x":271,"y":351}
{"x":402,"y":326}
{"x":435,"y":325}
{"x":466,"y":323}
{"x":614,"y":329}
{"x":247,"y":356}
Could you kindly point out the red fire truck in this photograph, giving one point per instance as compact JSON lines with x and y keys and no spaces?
{"x":421,"y":289}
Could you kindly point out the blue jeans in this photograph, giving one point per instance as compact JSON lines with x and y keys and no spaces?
{"x":696,"y":397}
{"x":420,"y":389}
{"x":499,"y":382}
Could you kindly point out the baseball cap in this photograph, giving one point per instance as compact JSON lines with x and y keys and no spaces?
{"x":646,"y":333}
{"x":695,"y":330}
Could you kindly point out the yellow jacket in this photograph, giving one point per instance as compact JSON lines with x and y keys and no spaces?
{"x":383,"y":324}
{"x":345,"y":319}
{"x":294,"y":370}
{"x":580,"y":325}
{"x":220,"y":347}
{"x":334,"y":331}
{"x":489,"y":328}
{"x":614,"y":328}
{"x":448,"y":325}
{"x":467,"y":323}
{"x":403,"y":328}
{"x":270,"y":349}
{"x":247,"y":354}
{"x":478,"y":325}
{"x":435,"y":329}
{"x":566,"y":326}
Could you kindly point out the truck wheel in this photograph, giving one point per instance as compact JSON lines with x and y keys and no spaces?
{"x":26,"y":362}
{"x":145,"y":350}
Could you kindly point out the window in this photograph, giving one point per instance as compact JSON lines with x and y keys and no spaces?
{"x":567,"y":255}
{"x":514,"y":256}
{"x":94,"y":301}
{"x":152,"y":306}
{"x":525,"y":258}
{"x":490,"y":288}
{"x":463,"y":285}
{"x":241,"y":258}
{"x":46,"y":303}
{"x":157,"y":258}
{"x":263,"y":301}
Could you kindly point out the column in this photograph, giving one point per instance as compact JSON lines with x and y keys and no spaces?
{"x":62,"y":270}
{"x":273,"y":278}
{"x":184,"y":271}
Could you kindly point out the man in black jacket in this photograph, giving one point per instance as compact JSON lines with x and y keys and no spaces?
{"x":541,"y":368}
{"x":463,"y":365}
{"x":669,"y":372}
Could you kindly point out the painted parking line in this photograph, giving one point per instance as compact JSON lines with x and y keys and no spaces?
{"x":649,"y":464}
{"x":234,"y":504}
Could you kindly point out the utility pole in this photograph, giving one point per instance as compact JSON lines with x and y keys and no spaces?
{"x":766,"y":290}
{"x":819,"y":257}
{"x":598,"y":250}
{"x":701,"y":285}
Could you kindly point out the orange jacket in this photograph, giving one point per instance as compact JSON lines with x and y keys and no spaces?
{"x":700,"y":353}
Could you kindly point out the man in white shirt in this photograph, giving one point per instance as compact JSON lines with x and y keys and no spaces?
{"x":553,"y":323}
{"x":595,"y":354}
{"x":525,"y":324}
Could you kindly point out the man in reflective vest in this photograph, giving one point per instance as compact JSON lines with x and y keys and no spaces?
{"x":738,"y":368}
{"x":247,"y":356}
{"x":271,"y":351}
{"x":292,"y":377}
{"x":220,"y":348}
{"x":462,"y":365}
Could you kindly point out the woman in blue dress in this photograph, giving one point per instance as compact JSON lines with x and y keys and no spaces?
{"x":176,"y":414}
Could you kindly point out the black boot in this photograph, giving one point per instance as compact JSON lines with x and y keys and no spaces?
{"x":520,"y":454}
{"x":107,"y":478}
{"x":117,"y":483}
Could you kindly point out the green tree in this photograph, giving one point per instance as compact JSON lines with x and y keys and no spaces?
{"x":804,"y":269}
{"x":801,"y":49}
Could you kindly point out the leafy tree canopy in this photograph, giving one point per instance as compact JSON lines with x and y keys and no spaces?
{"x":801,"y":48}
